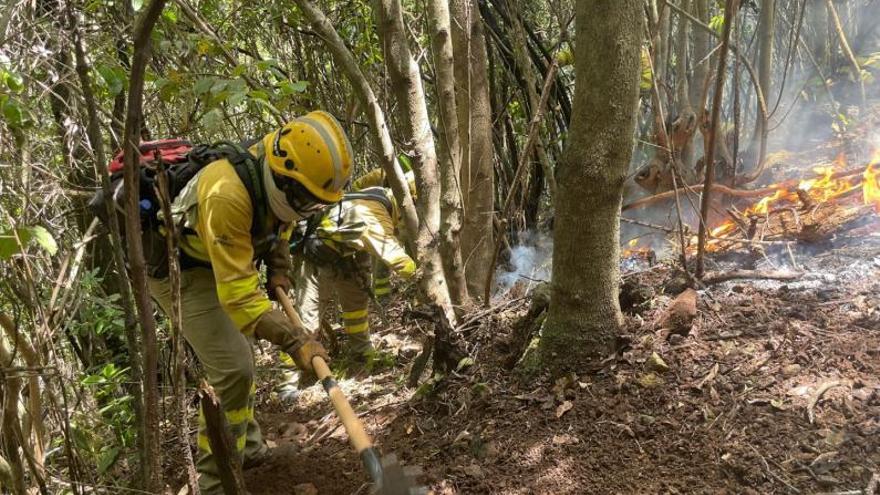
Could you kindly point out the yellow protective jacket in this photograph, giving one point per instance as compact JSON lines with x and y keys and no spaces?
{"x":373,"y":178}
{"x":364,"y":225}
{"x":216,"y":212}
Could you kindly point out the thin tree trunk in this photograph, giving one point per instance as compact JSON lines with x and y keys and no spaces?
{"x":10,"y":388}
{"x":449,"y":151}
{"x":730,"y":10}
{"x":844,"y":45}
{"x":406,"y":85}
{"x":131,"y":139}
{"x":584,"y":315}
{"x":179,"y":372}
{"x":93,"y":131}
{"x":766,"y":33}
{"x":701,"y":50}
{"x":385,"y":147}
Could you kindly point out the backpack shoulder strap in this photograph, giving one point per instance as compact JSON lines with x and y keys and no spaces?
{"x":372,"y":194}
{"x":249,"y":171}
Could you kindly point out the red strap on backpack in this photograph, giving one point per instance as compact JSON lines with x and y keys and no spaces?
{"x":171,"y":151}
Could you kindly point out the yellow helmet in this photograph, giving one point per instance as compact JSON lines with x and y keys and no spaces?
{"x":313,"y":150}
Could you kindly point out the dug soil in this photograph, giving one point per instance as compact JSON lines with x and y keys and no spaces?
{"x":776,"y":389}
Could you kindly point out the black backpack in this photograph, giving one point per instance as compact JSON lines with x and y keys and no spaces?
{"x":181,"y":162}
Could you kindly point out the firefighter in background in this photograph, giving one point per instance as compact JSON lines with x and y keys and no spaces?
{"x":301,"y":168}
{"x":376,"y":178}
{"x":335,"y":261}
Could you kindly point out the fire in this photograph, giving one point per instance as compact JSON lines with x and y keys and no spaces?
{"x":871,"y":183}
{"x":822,"y":187}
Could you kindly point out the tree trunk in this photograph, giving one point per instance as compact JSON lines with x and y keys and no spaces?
{"x":346,"y":61}
{"x":701,"y":50}
{"x":131,"y":139}
{"x":585,"y":315}
{"x":766,"y":32}
{"x":449,"y":151}
{"x":477,"y":177}
{"x":93,"y":132}
{"x":406,"y":85}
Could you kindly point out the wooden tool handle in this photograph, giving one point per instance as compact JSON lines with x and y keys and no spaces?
{"x":353,"y":426}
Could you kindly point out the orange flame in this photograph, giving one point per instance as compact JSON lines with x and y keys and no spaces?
{"x":871,"y":184}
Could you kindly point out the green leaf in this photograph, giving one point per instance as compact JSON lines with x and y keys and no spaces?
{"x":107,"y":459}
{"x":259,"y":95}
{"x":44,"y":239}
{"x":137,"y":4}
{"x":300,"y":86}
{"x":203,"y":85}
{"x":288,"y":88}
{"x":239,"y":70}
{"x":464,"y":363}
{"x":170,"y":15}
{"x":14,"y":82}
{"x":9,"y":246}
{"x":236,"y":98}
{"x":13,"y":114}
{"x":212,"y":118}
{"x":113,"y":77}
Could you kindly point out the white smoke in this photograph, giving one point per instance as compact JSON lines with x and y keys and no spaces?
{"x":530,"y":262}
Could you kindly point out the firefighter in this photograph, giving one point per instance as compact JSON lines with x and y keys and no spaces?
{"x":299,"y":169}
{"x":376,"y":178}
{"x":335,"y":258}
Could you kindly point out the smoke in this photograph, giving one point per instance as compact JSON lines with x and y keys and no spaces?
{"x":530,"y":262}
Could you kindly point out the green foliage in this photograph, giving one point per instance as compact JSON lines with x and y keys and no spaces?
{"x":717,"y":22}
{"x":99,"y":314}
{"x":9,"y":246}
{"x":113,"y":79}
{"x":115,"y":418}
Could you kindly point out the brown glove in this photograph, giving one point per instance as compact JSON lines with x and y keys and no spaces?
{"x":277,"y":280}
{"x":305,"y":353}
{"x":275,"y":327}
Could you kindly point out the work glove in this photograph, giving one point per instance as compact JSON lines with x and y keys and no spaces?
{"x":275,"y":327}
{"x":407,"y":271}
{"x":277,"y":280}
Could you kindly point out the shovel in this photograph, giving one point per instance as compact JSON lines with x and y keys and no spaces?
{"x":389,"y":476}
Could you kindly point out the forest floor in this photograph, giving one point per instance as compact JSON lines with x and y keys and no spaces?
{"x":776,"y":389}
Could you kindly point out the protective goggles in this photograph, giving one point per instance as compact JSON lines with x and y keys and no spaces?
{"x":300,"y":199}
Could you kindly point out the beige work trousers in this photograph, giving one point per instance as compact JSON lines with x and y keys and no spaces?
{"x":315,"y":288}
{"x":228,"y":360}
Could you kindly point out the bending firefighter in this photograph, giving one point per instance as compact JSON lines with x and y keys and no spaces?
{"x":376,"y":178}
{"x":230,"y":221}
{"x":336,"y":258}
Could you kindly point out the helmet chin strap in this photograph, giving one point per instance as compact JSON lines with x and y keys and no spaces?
{"x":277,"y":199}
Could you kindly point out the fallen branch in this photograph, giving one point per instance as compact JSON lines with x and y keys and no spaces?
{"x":737,"y":193}
{"x":221,"y":442}
{"x":818,"y":395}
{"x":718,"y":277}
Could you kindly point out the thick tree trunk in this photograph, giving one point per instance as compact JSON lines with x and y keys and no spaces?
{"x":449,"y":151}
{"x":406,"y":85}
{"x":364,"y":92}
{"x":475,"y":129}
{"x":584,"y":312}
{"x":131,"y":139}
